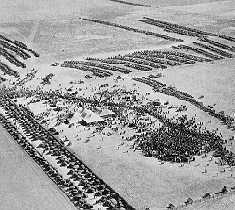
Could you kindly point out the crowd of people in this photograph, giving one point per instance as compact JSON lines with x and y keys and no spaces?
{"x":10,"y":50}
{"x":128,"y":28}
{"x":217,"y":44}
{"x":11,"y":58}
{"x":84,"y":67}
{"x":8,"y":71}
{"x":163,"y":88}
{"x":177,"y":140}
{"x":25,"y":47}
{"x":105,"y":67}
{"x":214,"y":49}
{"x":131,"y":59}
{"x":82,"y":187}
{"x":207,"y":196}
{"x":188,"y":31}
{"x":145,"y":60}
{"x":175,"y":28}
{"x":206,"y":53}
{"x":47,"y":79}
{"x":15,"y":49}
{"x":2,"y":79}
{"x":29,"y":76}
{"x":130,"y":3}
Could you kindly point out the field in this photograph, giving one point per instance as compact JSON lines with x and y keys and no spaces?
{"x":110,"y":76}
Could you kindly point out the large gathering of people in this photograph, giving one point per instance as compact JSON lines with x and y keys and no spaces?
{"x":8,"y":71}
{"x":130,"y":3}
{"x":175,"y":28}
{"x":217,"y":44}
{"x":29,"y":76}
{"x":162,"y":88}
{"x":176,"y":140}
{"x":136,"y":30}
{"x":185,"y":30}
{"x":15,"y":49}
{"x":207,"y":196}
{"x":214,"y":49}
{"x":144,"y":123}
{"x":148,"y":60}
{"x":11,"y":50}
{"x":82,"y":187}
{"x":200,"y":51}
{"x":11,"y":58}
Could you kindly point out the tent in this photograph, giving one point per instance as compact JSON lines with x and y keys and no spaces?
{"x":106,"y":113}
{"x":86,"y":115}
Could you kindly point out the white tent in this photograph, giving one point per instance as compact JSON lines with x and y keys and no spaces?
{"x":86,"y":115}
{"x":106,"y":112}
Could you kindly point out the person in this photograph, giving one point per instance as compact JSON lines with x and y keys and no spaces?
{"x":224,"y":190}
{"x":170,"y":206}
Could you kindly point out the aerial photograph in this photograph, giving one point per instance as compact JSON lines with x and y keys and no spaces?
{"x":117,"y":104}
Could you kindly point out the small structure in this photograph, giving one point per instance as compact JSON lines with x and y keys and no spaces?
{"x":106,"y":113}
{"x":86,"y":117}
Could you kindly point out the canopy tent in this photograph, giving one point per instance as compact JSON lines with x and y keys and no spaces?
{"x":106,"y":113}
{"x":86,"y":115}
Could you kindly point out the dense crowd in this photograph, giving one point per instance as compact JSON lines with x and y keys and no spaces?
{"x":162,"y":88}
{"x":184,"y":30}
{"x":207,"y":196}
{"x":177,"y":140}
{"x":7,"y":70}
{"x":10,"y":50}
{"x":146,"y":60}
{"x":76,"y":180}
{"x":199,"y":51}
{"x":130,"y":3}
{"x":217,"y":44}
{"x":15,"y":49}
{"x":29,"y":76}
{"x":175,"y":28}
{"x":11,"y":58}
{"x":47,"y":79}
{"x":214,"y":49}
{"x":148,"y":33}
